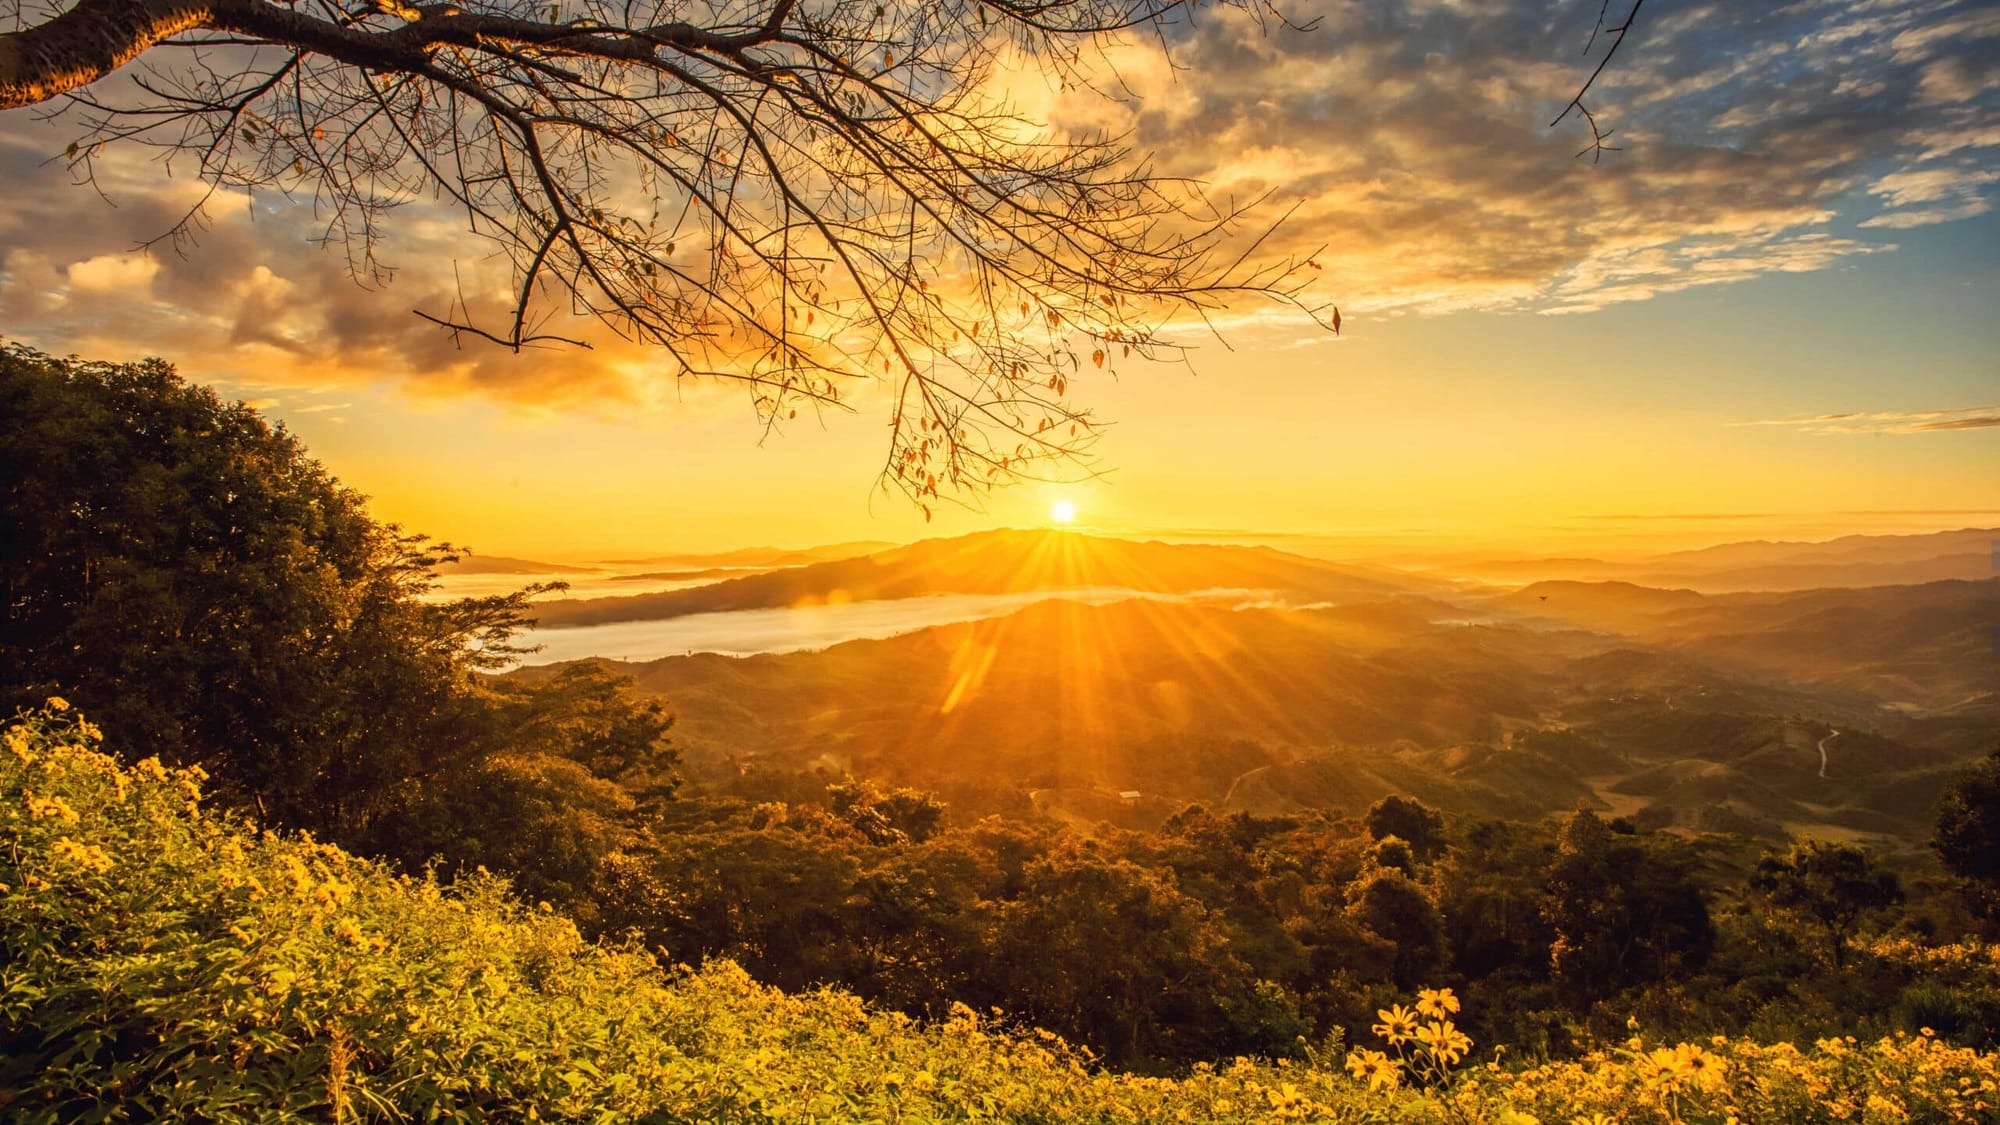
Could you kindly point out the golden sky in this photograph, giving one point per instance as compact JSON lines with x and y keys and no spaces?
{"x":1769,"y":316}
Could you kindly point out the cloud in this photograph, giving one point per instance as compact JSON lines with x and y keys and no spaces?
{"x":1891,"y":422}
{"x":1757,"y":139}
{"x":1412,"y":136}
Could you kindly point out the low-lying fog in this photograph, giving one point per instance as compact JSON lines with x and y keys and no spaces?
{"x":750,"y":631}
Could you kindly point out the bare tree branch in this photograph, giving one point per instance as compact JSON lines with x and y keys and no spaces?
{"x":804,"y":196}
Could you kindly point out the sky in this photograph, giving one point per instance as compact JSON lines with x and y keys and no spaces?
{"x":1771,"y":314}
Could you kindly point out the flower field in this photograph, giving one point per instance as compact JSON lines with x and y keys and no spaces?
{"x":160,"y":960}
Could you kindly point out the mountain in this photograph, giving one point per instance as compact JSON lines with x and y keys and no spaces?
{"x":1164,"y":697}
{"x":1934,"y":646}
{"x":1851,"y":561}
{"x":758,"y":558}
{"x":1004,"y":562}
{"x":1667,"y":706}
{"x":501,"y":564}
{"x":1846,"y":549}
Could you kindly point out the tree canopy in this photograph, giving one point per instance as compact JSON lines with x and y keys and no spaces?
{"x":187,"y":573}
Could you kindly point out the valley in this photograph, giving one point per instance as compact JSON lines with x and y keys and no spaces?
{"x":1094,"y":679}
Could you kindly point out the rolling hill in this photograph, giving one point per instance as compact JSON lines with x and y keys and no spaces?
{"x":1847,"y":562}
{"x":1003,"y":562}
{"x":1672,"y":716}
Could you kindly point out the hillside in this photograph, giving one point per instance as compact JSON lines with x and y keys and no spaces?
{"x":470,"y":563}
{"x":209,"y":972}
{"x":1276,"y":710}
{"x":1002,"y":562}
{"x":1849,"y":561}
{"x":1923,"y":647}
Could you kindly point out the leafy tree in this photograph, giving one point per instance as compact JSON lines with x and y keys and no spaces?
{"x":1111,"y":954}
{"x":1831,"y":886}
{"x":1415,"y":823}
{"x":211,"y":594}
{"x":1968,"y":831}
{"x":1391,"y":906}
{"x":899,"y":816}
{"x":1625,"y":910}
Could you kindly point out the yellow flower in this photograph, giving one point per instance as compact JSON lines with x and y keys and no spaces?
{"x":1436,"y":1002}
{"x":89,"y":857}
{"x":45,"y":808}
{"x":1705,"y":1069}
{"x":1374,"y":1068}
{"x":1444,"y":1041}
{"x":58,"y":703}
{"x":1398,"y":1023}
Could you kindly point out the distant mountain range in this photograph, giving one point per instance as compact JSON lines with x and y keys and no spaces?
{"x":502,"y":564}
{"x":1925,"y":647}
{"x":1855,"y":560}
{"x":1005,"y":562}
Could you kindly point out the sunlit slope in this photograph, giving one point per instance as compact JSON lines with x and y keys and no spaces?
{"x":1005,"y":562}
{"x":1151,"y":695}
{"x":1928,"y":647}
{"x":1272,"y":710}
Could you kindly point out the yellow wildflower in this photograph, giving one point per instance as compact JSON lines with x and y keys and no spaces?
{"x":46,"y":808}
{"x":58,"y":703}
{"x":1374,"y":1068}
{"x":1705,"y":1069}
{"x":1398,"y":1023}
{"x":1444,"y":1041}
{"x":1436,"y":1002}
{"x":89,"y":857}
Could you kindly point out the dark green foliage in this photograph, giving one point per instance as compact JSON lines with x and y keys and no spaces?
{"x":203,"y":588}
{"x":1386,"y":903}
{"x":1415,"y":823}
{"x":900,"y":816}
{"x":1622,"y":911}
{"x":1968,"y":832}
{"x":1832,"y":887}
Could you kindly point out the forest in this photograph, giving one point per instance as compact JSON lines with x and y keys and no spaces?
{"x":282,"y":837}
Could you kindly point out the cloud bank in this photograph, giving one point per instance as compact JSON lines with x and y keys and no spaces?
{"x":1892,"y":422}
{"x":1412,"y":136}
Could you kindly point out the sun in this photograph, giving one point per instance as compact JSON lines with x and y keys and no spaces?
{"x":1062,"y":511}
